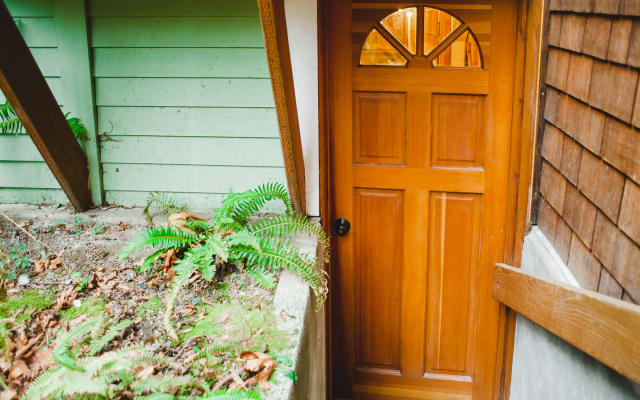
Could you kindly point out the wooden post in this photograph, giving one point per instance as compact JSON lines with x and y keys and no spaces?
{"x":274,"y":30}
{"x":28,"y":93}
{"x":77,"y":81}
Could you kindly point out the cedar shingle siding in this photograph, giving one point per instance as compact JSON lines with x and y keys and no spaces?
{"x":590,"y":181}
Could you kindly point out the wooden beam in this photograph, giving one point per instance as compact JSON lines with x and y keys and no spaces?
{"x":603,"y":327}
{"x":31,"y":98}
{"x":274,"y":29}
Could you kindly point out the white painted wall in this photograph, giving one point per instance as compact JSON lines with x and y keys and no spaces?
{"x":302,"y":25}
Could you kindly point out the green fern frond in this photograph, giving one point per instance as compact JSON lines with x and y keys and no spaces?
{"x":156,"y":396}
{"x":9,"y":121}
{"x":178,"y":282}
{"x":148,"y":262}
{"x":165,"y":204}
{"x":289,"y":225}
{"x":159,"y":236}
{"x":243,"y":239}
{"x":232,"y":395}
{"x":253,"y":200}
{"x":163,"y":383}
{"x":263,"y":277}
{"x":47,"y":384}
{"x":97,"y":345}
{"x":62,"y":354}
{"x":77,"y":127}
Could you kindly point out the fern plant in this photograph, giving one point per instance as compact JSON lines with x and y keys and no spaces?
{"x":80,"y":373}
{"x":234,"y":234}
{"x":10,"y":123}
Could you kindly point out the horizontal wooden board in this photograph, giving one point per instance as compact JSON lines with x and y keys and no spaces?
{"x":55,"y":85}
{"x":30,"y":8}
{"x":193,"y":151}
{"x":26,"y":175}
{"x":48,"y":61}
{"x":38,"y":32}
{"x":184,"y":92}
{"x":194,"y":201}
{"x":32,"y":196}
{"x":177,"y":32}
{"x":18,"y":148}
{"x":186,"y":62}
{"x":601,"y":326}
{"x":187,"y":178}
{"x":183,"y":121}
{"x":170,"y":8}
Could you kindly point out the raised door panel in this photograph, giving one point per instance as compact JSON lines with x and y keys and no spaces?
{"x":378,"y":249}
{"x":379,"y":128}
{"x":458,"y":132}
{"x":452,"y":270}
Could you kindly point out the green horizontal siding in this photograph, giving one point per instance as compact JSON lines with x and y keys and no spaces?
{"x":184,"y":98}
{"x":24,"y":177}
{"x":185,"y":121}
{"x":201,"y":151}
{"x":184,"y":92}
{"x":179,"y":63}
{"x":177,"y":32}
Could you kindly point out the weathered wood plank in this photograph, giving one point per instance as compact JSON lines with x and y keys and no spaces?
{"x":73,"y":46}
{"x":274,"y":29}
{"x":187,"y":178}
{"x":32,"y":196}
{"x":27,"y":175}
{"x":183,"y":92}
{"x":18,"y":148}
{"x":30,"y":8}
{"x":183,"y":121}
{"x":193,"y":150}
{"x":26,"y":89}
{"x":38,"y":32}
{"x":177,"y":32}
{"x":178,"y":63}
{"x":169,"y":8}
{"x":603,"y":327}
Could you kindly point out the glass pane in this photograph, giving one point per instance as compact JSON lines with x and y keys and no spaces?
{"x":437,"y":26}
{"x":377,"y":51}
{"x":463,"y":52}
{"x":402,"y":25}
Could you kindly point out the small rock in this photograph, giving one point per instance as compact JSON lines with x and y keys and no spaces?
{"x":196,"y":300}
{"x":77,"y":303}
{"x":141,"y":286}
{"x":23,"y":280}
{"x":130,"y":276}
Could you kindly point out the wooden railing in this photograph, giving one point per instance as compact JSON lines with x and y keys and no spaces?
{"x":603,"y":327}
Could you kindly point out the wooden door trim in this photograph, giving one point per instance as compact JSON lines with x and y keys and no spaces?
{"x":526,"y":100}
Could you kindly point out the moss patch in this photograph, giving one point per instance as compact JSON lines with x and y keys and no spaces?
{"x":241,"y":325}
{"x":28,"y":302}
{"x":154,"y":304}
{"x":92,"y":306}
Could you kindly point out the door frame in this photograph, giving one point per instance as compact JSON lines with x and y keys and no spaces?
{"x":530,"y":51}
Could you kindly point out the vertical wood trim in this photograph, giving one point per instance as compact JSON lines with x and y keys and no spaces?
{"x":274,"y":29}
{"x":77,"y":81}
{"x":529,"y":53}
{"x":28,"y":93}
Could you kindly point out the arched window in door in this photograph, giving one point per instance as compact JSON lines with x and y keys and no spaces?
{"x":427,"y":32}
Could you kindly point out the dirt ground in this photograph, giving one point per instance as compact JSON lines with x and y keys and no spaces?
{"x":71,"y":273}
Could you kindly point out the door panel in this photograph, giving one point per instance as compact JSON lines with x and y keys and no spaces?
{"x":453,"y":262}
{"x":418,"y":162}
{"x":378,"y":238}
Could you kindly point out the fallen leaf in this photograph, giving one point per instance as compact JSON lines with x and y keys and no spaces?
{"x":8,"y":394}
{"x":146,"y":372}
{"x":66,"y":298}
{"x":18,"y":369}
{"x":177,"y":218}
{"x":260,"y":363}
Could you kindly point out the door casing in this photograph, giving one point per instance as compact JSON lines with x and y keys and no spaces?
{"x":531,"y":49}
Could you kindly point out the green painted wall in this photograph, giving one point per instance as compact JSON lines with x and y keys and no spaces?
{"x":24,"y":177}
{"x":183,"y":100}
{"x":183,"y":93}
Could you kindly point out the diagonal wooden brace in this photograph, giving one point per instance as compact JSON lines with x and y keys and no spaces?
{"x":28,"y":93}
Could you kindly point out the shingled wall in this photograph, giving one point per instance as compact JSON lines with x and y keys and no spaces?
{"x":590,"y":177}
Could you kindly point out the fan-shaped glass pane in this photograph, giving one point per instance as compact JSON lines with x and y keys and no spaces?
{"x":377,"y":51}
{"x":438,"y":25}
{"x":402,"y":24}
{"x":463,"y":52}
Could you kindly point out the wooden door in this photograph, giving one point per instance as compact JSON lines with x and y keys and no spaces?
{"x":420,"y":110}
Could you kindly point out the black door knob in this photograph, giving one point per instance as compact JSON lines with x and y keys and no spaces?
{"x":342,"y":226}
